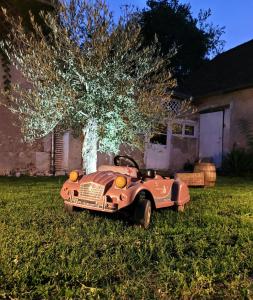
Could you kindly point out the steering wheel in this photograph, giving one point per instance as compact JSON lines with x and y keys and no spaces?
{"x":117,"y":161}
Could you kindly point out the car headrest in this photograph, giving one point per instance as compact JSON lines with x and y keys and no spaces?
{"x":130,"y":171}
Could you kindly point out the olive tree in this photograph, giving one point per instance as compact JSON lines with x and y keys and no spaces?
{"x":89,"y":74}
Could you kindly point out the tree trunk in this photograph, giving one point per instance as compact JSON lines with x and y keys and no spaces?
{"x":89,"y":151}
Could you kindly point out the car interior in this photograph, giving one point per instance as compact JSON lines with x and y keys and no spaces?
{"x":128,"y":166}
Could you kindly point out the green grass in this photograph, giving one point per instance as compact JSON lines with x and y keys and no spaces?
{"x":205,"y":252}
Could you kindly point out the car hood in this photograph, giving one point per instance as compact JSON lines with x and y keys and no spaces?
{"x":102,"y":177}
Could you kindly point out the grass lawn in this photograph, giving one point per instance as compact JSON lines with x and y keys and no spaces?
{"x":205,"y":252}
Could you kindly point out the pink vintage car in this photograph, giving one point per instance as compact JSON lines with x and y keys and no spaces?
{"x":122,"y":187}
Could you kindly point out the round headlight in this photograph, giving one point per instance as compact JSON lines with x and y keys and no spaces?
{"x":73,"y":176}
{"x":120,"y":182}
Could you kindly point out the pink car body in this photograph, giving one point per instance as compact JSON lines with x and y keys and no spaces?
{"x":98,"y":191}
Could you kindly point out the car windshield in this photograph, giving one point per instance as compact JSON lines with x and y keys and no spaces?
{"x":130,"y":171}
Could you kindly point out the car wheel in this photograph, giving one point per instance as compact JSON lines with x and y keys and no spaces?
{"x":143,"y":210}
{"x":68,"y":208}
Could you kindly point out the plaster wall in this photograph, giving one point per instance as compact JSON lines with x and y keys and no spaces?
{"x":240,"y":108}
{"x":183,"y":149}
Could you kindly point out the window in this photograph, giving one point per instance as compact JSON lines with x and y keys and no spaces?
{"x":189,"y":130}
{"x":160,"y":137}
{"x":177,"y":128}
{"x":184,"y":128}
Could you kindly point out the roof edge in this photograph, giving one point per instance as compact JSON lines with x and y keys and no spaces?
{"x":232,"y":49}
{"x":226,"y":91}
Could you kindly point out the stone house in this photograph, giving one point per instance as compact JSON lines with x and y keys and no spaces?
{"x":222,"y":90}
{"x":54,"y":153}
{"x":46,"y":155}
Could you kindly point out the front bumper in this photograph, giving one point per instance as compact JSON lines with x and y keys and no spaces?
{"x":105,"y":207}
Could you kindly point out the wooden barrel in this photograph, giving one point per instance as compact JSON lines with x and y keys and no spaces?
{"x":209,"y":171}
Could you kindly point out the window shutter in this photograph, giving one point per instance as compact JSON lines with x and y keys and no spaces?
{"x":58,"y":153}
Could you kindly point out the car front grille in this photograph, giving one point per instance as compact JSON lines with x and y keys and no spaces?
{"x":91,"y":194}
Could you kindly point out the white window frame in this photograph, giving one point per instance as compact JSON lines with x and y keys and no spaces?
{"x":185,"y":123}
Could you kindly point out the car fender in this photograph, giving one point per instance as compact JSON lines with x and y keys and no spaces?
{"x":132,"y":193}
{"x":180,"y":192}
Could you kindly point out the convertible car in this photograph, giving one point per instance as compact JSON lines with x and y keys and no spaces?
{"x":123,"y":187}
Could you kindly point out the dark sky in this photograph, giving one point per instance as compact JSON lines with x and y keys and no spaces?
{"x":236,"y":16}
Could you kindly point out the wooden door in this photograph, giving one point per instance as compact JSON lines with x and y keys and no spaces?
{"x":211,"y":136}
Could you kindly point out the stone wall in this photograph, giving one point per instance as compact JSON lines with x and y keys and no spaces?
{"x":15,"y":155}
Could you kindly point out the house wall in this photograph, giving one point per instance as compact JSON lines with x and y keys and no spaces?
{"x":15,"y":155}
{"x":182,"y":150}
{"x":75,"y":153}
{"x":240,"y":108}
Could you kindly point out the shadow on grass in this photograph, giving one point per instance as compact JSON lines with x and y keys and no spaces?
{"x":122,"y":215}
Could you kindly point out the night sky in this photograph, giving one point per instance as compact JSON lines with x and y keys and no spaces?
{"x":235,"y":15}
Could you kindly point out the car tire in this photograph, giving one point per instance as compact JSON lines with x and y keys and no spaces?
{"x":143,"y":211}
{"x":180,"y":208}
{"x":68,"y":208}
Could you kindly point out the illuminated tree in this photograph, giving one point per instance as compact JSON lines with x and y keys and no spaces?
{"x":88,"y":74}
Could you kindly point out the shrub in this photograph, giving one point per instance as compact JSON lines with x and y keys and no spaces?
{"x":238,"y":162}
